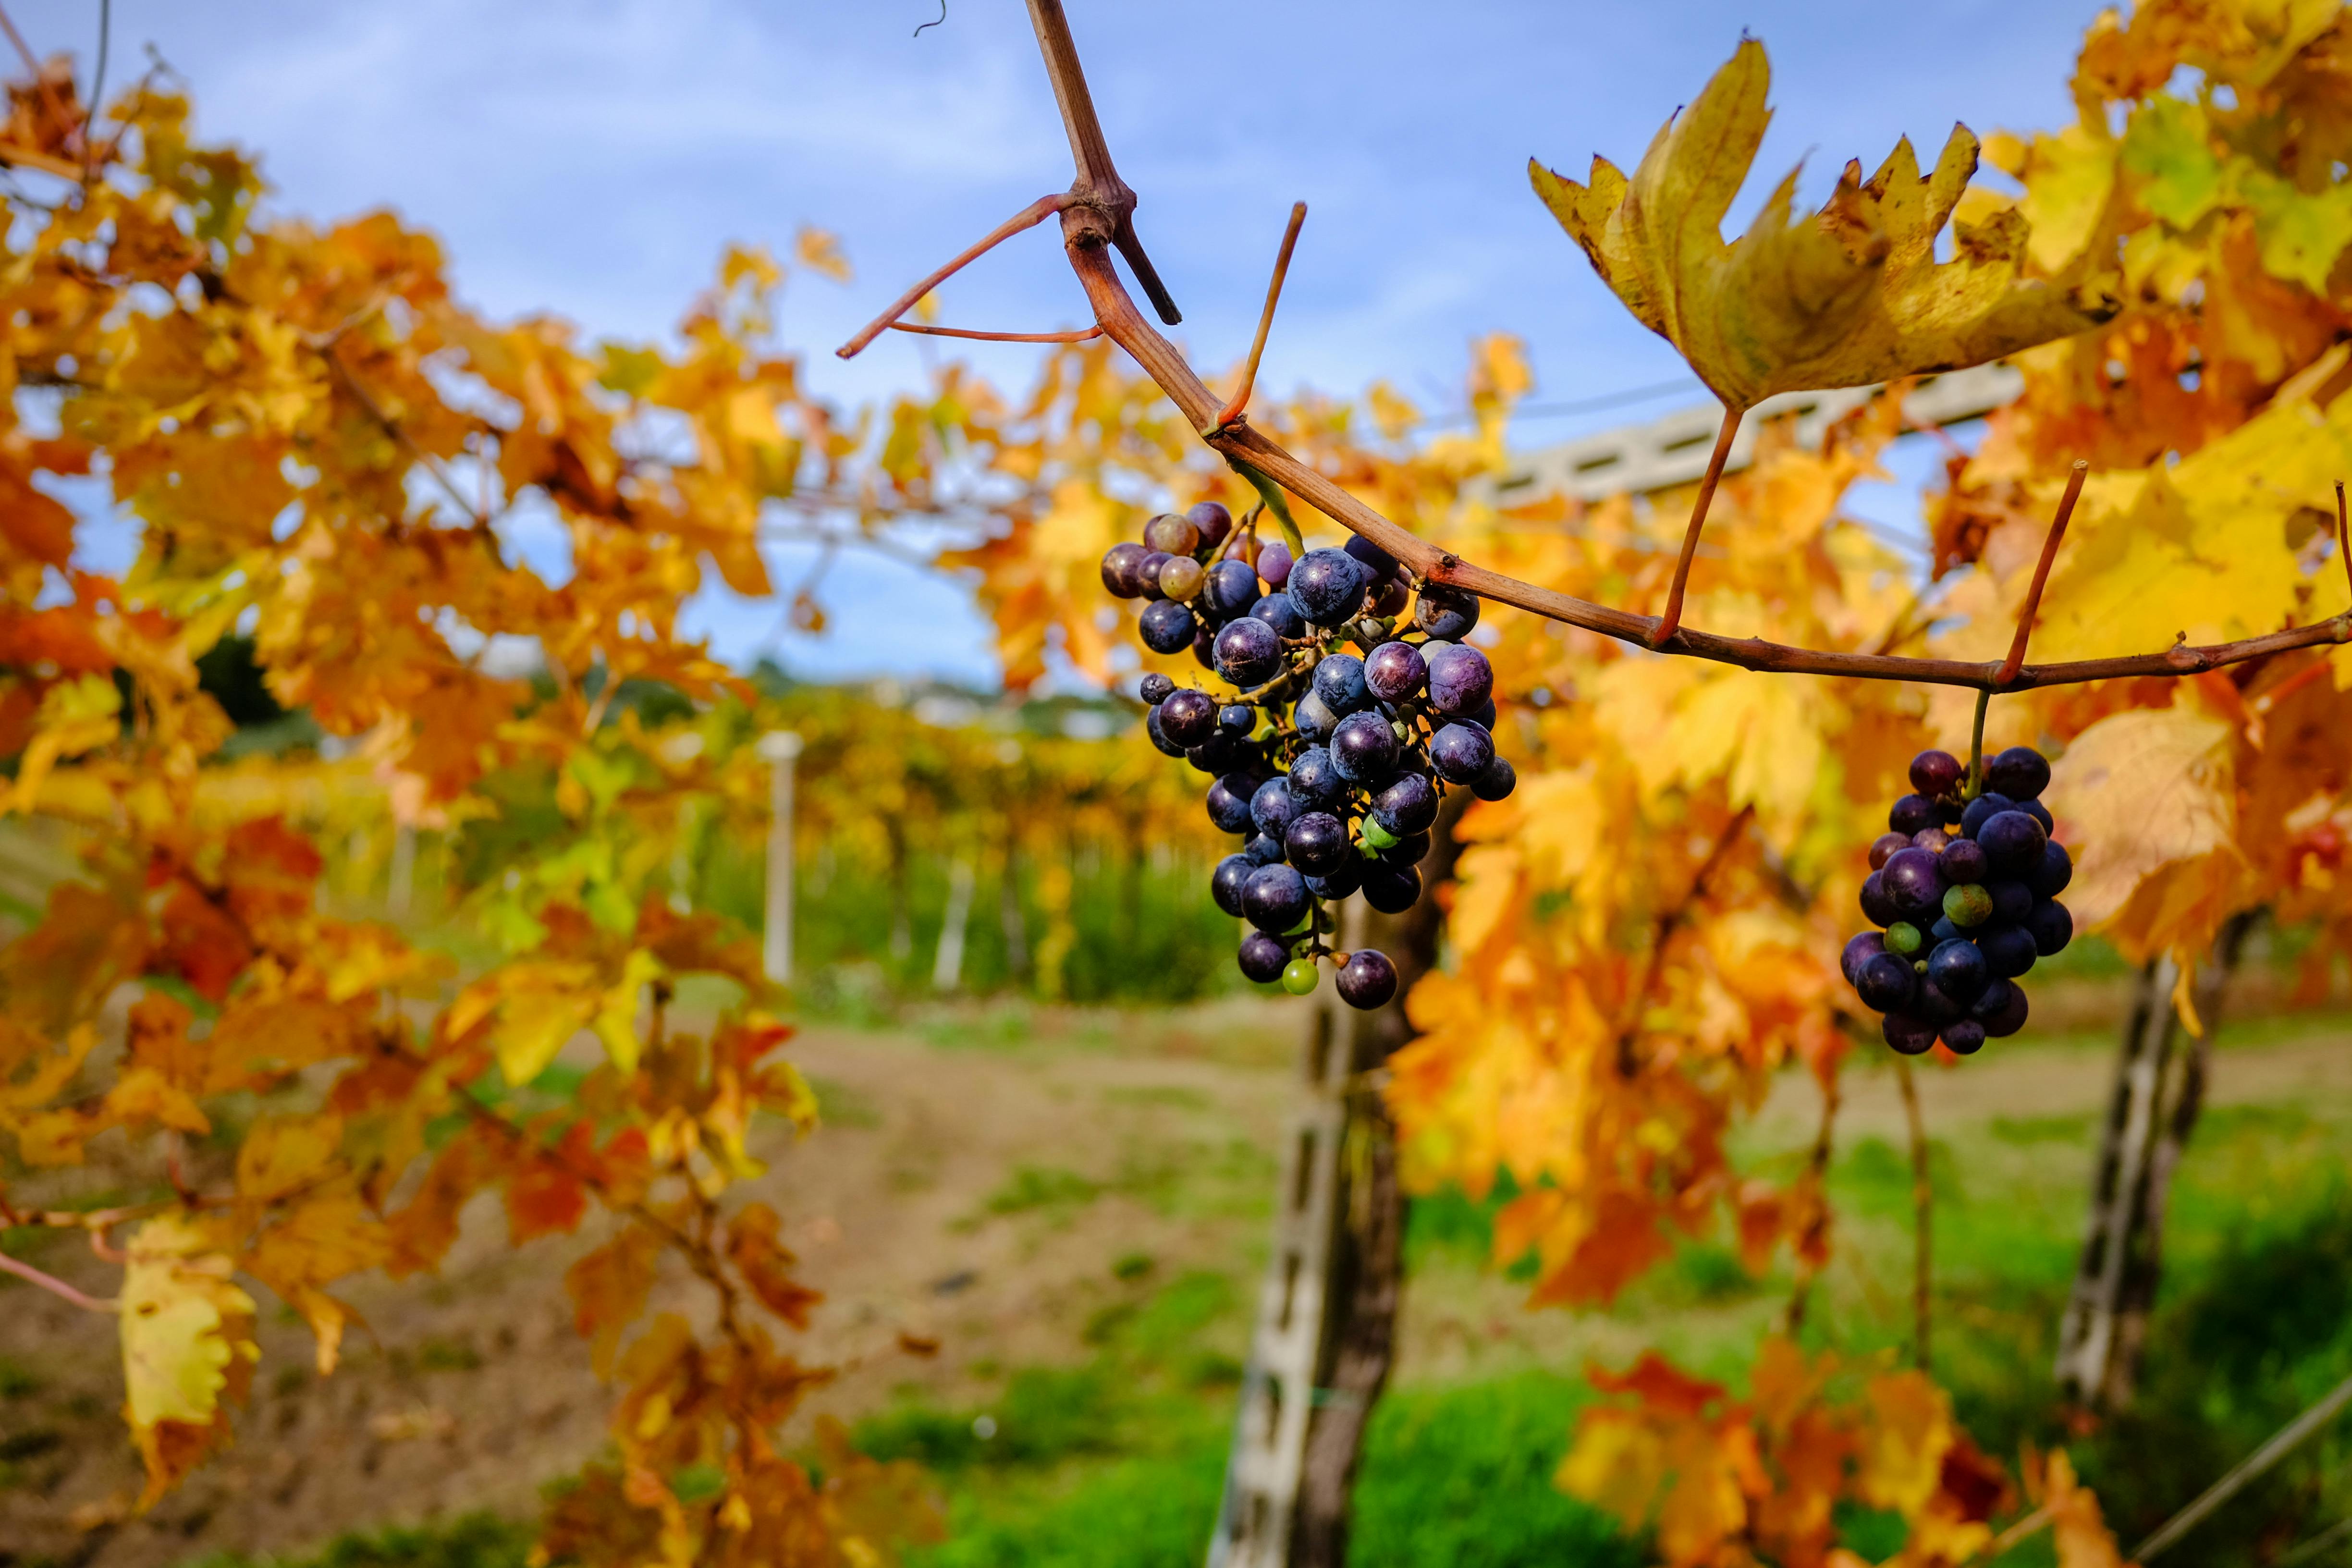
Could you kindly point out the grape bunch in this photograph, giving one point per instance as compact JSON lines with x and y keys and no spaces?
{"x":1963,"y":889}
{"x":1348,"y":720}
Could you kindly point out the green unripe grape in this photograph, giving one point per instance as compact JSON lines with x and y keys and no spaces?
{"x":1903,"y":937}
{"x":1376,"y":836}
{"x":1968,"y":904}
{"x":1300,"y":975}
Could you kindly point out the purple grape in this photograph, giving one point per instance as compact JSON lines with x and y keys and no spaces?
{"x":2009,"y":951}
{"x":1188,"y":717}
{"x":1912,"y":883}
{"x":1932,"y":838}
{"x":1885,"y":984}
{"x":1944,"y":929}
{"x":1371,"y":557}
{"x":1277,"y":611}
{"x":1391,"y":889}
{"x":1211,"y":519}
{"x":1410,"y":850}
{"x":1271,"y":808}
{"x":1461,"y":752}
{"x":1406,"y":806}
{"x":1205,"y":646}
{"x":1365,"y":748}
{"x":1460,"y":680}
{"x":1884,"y":846}
{"x":1935,"y":773}
{"x":1446,"y":613}
{"x":1317,"y":843}
{"x":1151,"y":727}
{"x":1155,"y":689}
{"x":1957,"y":970}
{"x":1983,"y":809}
{"x":1119,"y":569}
{"x":1231,"y":588}
{"x":1262,"y":958}
{"x":1933,"y":1005}
{"x":1237,"y":719}
{"x":1262,"y":851}
{"x":2001,"y":1009}
{"x":1274,"y":898}
{"x":2057,"y":868}
{"x":1367,"y":980}
{"x":1315,"y":781}
{"x":1147,"y":574}
{"x":2012,"y":843}
{"x":1859,"y":950}
{"x":1220,"y":753}
{"x":2051,"y":926}
{"x":1907,"y":1034}
{"x":2019,"y":772}
{"x":1389,"y":599}
{"x":1248,"y":652}
{"x":1950,"y":809}
{"x":1963,"y":861}
{"x":1913,"y":814}
{"x":1225,"y":882}
{"x":1327,"y":587}
{"x":2040,"y":813}
{"x":1229,"y":809}
{"x":2011,"y":901}
{"x":1168,"y":626}
{"x":1497,"y":782}
{"x":1965,"y":1037}
{"x":1340,"y":681}
{"x":1274,"y":564}
{"x":1341,"y":881}
{"x":1876,"y":907}
{"x":1312,"y":720}
{"x":1395,"y":671}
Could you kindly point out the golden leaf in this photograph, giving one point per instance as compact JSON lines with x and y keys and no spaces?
{"x":187,"y":1343}
{"x":1845,"y":296}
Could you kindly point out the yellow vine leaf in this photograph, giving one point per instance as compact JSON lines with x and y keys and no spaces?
{"x":1845,"y":296}
{"x":187,"y":1344}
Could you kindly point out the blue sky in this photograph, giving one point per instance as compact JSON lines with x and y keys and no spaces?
{"x":593,"y":157}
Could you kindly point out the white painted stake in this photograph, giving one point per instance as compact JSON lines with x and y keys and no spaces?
{"x":780,"y":749}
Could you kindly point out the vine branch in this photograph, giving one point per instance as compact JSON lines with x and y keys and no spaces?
{"x":53,"y":1285}
{"x":1238,"y":403}
{"x":1097,"y":215}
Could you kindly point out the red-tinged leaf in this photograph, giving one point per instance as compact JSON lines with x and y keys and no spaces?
{"x":608,"y":1288}
{"x":766,"y":1265}
{"x":1658,"y":1384}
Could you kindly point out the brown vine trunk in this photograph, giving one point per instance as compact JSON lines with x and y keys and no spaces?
{"x":2160,"y":1088}
{"x":1338,"y":1271}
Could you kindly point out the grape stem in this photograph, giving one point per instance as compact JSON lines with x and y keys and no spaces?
{"x":1671,"y":622}
{"x":1028,"y":217}
{"x":1097,"y":218}
{"x":1976,"y":748}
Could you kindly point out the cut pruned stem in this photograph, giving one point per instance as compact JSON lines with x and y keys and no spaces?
{"x":2032,"y":605}
{"x":1239,"y":404}
{"x":1074,"y":335}
{"x":1923,"y":1207}
{"x":1028,"y":217}
{"x":2343,"y":534}
{"x":1671,"y":622}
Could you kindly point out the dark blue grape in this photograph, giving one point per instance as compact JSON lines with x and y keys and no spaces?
{"x":1395,"y":671}
{"x":2057,"y":868}
{"x":2019,"y":772}
{"x":1484,"y":715}
{"x":1907,"y":1034}
{"x":1315,"y":780}
{"x":1271,"y":808}
{"x":1229,"y":810}
{"x":1120,"y":565}
{"x":1204,"y":645}
{"x":2051,"y":926}
{"x":1367,"y":980}
{"x":1188,"y":717}
{"x":1407,"y":805}
{"x":1387,"y":598}
{"x":1410,"y":850}
{"x":1934,"y":1005}
{"x":1460,"y":679}
{"x":1446,"y":613}
{"x":1312,"y":720}
{"x":2011,"y":901}
{"x":1274,"y":898}
{"x":1155,"y":689}
{"x":1859,"y":950}
{"x":1151,"y":727}
{"x":2041,"y":814}
{"x":1946,"y":929}
{"x":1327,"y":587}
{"x":1497,"y":782}
{"x":1213,"y":521}
{"x":2012,"y":843}
{"x":2006,"y":1015}
{"x":1935,"y":773}
{"x":1225,"y":882}
{"x":1876,"y":907}
{"x":1220,"y":753}
{"x":1340,"y":681}
{"x":1237,"y":719}
{"x":1365,"y":749}
{"x":1983,"y":809}
{"x":1911,"y":814}
{"x":1262,"y":958}
{"x":1914,"y":883}
{"x":1962,"y":861}
{"x":1232,"y":589}
{"x":1460,"y":752}
{"x":1371,"y":556}
{"x":2009,"y":951}
{"x":1277,"y":611}
{"x":1965,"y":1037}
{"x":1248,"y":651}
{"x":1885,"y":984}
{"x":1338,"y":883}
{"x":1391,"y":889}
{"x":1959,"y":970}
{"x":1168,"y":626}
{"x":1317,"y":843}
{"x":1262,"y":850}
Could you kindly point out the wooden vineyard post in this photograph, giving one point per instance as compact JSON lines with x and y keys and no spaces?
{"x":780,"y":749}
